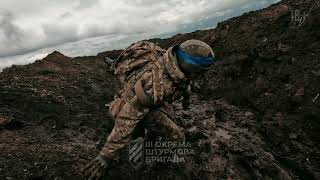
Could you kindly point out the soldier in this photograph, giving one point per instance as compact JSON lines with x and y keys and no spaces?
{"x":152,"y":78}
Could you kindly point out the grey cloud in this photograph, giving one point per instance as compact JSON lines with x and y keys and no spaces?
{"x":12,"y":34}
{"x":83,"y":4}
{"x":41,"y":24}
{"x":56,"y":33}
{"x":148,"y":2}
{"x":65,"y":15}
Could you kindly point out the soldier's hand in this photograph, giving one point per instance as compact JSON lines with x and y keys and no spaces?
{"x":95,"y":169}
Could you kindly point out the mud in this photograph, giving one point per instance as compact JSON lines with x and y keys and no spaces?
{"x":255,"y":115}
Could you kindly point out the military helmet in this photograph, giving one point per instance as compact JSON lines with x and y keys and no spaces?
{"x":194,"y":56}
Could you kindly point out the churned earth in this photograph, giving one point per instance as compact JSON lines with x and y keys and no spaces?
{"x":255,"y":115}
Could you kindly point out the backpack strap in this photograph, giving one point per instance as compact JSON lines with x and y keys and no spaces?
{"x":158,"y":89}
{"x":143,"y":97}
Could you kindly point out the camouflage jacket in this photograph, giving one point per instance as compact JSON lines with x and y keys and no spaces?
{"x":174,"y":84}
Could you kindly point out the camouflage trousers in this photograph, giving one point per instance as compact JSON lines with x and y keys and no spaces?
{"x":158,"y":122}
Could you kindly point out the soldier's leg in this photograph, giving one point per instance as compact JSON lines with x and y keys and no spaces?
{"x":160,"y":123}
{"x":128,"y":118}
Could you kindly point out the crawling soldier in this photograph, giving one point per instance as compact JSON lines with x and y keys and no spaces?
{"x":152,"y":79}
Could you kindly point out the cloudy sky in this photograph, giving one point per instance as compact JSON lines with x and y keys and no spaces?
{"x":30,"y":29}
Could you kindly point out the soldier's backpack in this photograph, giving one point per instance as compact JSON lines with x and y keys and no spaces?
{"x":132,"y":61}
{"x":135,"y":57}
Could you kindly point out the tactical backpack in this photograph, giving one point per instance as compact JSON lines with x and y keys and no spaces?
{"x":132,"y":61}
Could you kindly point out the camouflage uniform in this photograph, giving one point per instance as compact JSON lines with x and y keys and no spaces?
{"x":130,"y":110}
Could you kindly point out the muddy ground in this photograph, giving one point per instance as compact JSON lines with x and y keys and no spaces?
{"x":256,"y":115}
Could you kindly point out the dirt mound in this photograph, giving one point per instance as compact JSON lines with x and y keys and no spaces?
{"x":254,"y":116}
